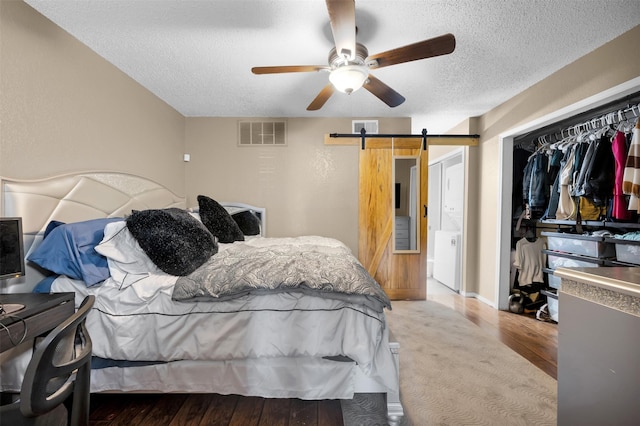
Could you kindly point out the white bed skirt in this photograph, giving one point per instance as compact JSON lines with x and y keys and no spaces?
{"x":300,"y":377}
{"x":304,"y":378}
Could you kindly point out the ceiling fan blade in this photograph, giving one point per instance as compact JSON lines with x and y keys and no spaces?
{"x":437,"y":46}
{"x":322,"y":98}
{"x":342,"y":14}
{"x":383,"y":92}
{"x":289,"y":68}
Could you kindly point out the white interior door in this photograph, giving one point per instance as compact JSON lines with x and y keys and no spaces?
{"x":453,"y":197}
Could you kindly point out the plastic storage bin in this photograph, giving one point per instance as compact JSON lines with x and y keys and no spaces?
{"x":553,"y":280}
{"x":552,"y":304}
{"x":585,"y":245}
{"x":627,"y":251}
{"x":557,"y":260}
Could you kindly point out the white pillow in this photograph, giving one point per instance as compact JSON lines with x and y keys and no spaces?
{"x":127,"y":262}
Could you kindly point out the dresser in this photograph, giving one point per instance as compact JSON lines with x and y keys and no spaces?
{"x":402,"y":233}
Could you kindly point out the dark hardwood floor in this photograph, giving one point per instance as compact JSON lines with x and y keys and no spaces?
{"x":210,"y":409}
{"x":535,"y":340}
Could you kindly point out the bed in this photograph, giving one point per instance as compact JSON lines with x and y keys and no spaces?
{"x":236,"y":323}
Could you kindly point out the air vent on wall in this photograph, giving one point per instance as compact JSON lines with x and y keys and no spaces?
{"x":257,"y":133}
{"x":370,"y":126}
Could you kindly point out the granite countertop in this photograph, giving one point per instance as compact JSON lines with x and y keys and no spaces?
{"x":620,"y":279}
{"x":616,"y":287}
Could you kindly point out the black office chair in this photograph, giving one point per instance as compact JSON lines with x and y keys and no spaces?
{"x":60,"y":366}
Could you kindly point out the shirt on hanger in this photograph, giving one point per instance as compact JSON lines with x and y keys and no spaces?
{"x":529,"y":259}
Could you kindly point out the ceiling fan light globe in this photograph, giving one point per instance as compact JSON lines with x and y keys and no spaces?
{"x":349,"y":78}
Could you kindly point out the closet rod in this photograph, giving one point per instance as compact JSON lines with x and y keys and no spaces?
{"x":625,"y":103}
{"x":608,"y":119}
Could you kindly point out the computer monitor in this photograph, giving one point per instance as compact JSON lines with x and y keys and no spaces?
{"x":11,"y":248}
{"x":11,"y":255}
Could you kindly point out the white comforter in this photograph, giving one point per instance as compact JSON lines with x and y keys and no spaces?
{"x":142,"y":323}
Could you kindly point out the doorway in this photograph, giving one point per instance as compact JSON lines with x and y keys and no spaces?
{"x":446,"y":219}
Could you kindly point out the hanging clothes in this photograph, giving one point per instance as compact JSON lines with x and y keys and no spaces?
{"x":631,"y":180}
{"x":580,"y":154}
{"x":582,"y":168}
{"x":526,"y":185}
{"x":529,"y":260}
{"x":600,"y":177}
{"x":620,"y":149}
{"x":566,"y":206}
{"x":554,"y":199}
{"x":556,"y":164}
{"x":520,"y":157}
{"x":538,"y":185}
{"x":584,"y":172}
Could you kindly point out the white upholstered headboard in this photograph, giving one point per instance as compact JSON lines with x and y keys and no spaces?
{"x":82,"y":196}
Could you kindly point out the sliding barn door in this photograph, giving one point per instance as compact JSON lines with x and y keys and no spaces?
{"x":401,"y":275}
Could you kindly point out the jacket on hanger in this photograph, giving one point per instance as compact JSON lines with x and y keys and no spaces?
{"x":538,"y":185}
{"x":619,"y":209}
{"x":599,"y":179}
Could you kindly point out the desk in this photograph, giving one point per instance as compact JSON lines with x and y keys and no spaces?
{"x":42,"y":313}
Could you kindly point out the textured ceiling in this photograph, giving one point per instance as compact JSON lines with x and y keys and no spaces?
{"x":197,"y":55}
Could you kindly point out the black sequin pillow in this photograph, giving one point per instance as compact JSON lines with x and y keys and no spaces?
{"x":248,"y":222}
{"x":218,"y":221}
{"x":175,"y":241}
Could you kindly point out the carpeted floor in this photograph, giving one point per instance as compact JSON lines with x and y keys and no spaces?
{"x":453,"y":373}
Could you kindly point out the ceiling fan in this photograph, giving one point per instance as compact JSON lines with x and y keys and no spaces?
{"x":349,"y":61}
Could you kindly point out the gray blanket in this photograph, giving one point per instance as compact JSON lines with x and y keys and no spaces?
{"x":316,"y":265}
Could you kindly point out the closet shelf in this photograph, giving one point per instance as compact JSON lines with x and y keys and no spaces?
{"x":593,"y":223}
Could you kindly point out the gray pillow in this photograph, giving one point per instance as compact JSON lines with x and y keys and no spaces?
{"x":175,"y":241}
{"x":218,"y":221}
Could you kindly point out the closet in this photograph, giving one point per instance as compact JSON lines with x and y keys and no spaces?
{"x":572,"y":196}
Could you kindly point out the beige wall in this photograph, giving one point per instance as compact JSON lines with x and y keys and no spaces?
{"x":307,"y":187}
{"x":63,"y":108}
{"x":612,"y":64}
